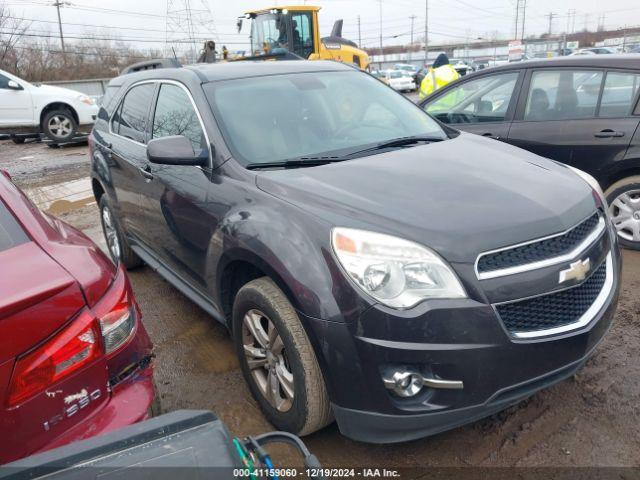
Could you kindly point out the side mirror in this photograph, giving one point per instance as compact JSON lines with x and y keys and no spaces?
{"x":13,"y":85}
{"x":175,"y":150}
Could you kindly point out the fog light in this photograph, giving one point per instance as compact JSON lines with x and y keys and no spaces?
{"x":404,"y":382}
{"x":407,"y":382}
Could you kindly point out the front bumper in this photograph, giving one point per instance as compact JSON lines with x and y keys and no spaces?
{"x":447,"y":339}
{"x":383,"y":428}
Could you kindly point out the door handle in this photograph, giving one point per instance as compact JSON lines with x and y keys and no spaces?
{"x":491,"y":135}
{"x":608,"y":133}
{"x":146,"y":172}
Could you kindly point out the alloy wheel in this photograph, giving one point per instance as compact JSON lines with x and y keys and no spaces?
{"x":111,"y":234}
{"x":267,"y":360}
{"x":625,"y":214}
{"x":60,"y":126}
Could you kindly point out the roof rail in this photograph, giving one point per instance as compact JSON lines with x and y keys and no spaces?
{"x":151,"y":65}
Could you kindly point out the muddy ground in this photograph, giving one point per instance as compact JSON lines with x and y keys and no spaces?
{"x":592,"y":419}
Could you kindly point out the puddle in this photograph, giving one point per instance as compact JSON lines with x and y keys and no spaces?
{"x":62,"y":197}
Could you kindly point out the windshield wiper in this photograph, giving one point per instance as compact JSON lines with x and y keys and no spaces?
{"x":398,"y":143}
{"x":295,"y":163}
{"x":323,"y":160}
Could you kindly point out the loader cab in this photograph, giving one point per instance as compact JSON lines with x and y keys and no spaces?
{"x":278,"y":30}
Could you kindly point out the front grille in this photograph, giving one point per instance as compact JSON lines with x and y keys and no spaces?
{"x":555,"y":309}
{"x":538,"y":251}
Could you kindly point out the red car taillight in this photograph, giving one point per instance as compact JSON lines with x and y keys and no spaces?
{"x":75,"y":346}
{"x":88,"y":337}
{"x":116,"y":313}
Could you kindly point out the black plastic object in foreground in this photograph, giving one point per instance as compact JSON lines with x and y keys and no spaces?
{"x":183,"y":444}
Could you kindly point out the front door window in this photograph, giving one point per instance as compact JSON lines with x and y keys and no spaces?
{"x":481,"y":100}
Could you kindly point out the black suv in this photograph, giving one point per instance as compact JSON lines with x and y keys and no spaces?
{"x":371,"y":265}
{"x":580,"y":110}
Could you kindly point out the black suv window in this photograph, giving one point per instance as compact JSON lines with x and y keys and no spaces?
{"x":11,"y":234}
{"x":563,"y":94}
{"x":132,"y":119}
{"x":485,"y":99}
{"x":175,"y":115}
{"x":620,"y":90}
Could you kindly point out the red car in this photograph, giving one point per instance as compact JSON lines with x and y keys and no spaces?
{"x":75,"y":359}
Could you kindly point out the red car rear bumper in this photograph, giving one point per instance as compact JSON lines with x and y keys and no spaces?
{"x":130,"y":402}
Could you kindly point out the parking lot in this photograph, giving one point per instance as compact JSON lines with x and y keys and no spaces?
{"x":593,"y":419}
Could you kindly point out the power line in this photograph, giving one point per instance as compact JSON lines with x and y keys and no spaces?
{"x":112,"y":39}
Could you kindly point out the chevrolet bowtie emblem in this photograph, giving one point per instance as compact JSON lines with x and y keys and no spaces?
{"x":576,"y":271}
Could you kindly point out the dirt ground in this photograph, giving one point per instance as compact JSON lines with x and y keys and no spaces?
{"x":591,"y":419}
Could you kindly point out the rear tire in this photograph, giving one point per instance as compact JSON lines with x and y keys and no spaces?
{"x":298,"y":401}
{"x":117,"y":243}
{"x":17,"y":140}
{"x":59,"y":125}
{"x":623,"y":198}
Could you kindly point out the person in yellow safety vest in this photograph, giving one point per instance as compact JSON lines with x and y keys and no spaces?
{"x":439,"y":75}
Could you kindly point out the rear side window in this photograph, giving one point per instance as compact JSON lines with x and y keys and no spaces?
{"x":11,"y":233}
{"x":563,"y":94}
{"x":175,"y":115}
{"x":131,"y":121}
{"x":620,"y":90}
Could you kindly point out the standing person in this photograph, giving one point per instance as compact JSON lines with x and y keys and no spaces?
{"x":208,"y":54}
{"x":439,"y":75}
{"x":225,"y":52}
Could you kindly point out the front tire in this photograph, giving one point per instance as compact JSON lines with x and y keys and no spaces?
{"x":277,"y":359}
{"x":117,"y":244}
{"x":59,"y":125}
{"x":623,"y":198}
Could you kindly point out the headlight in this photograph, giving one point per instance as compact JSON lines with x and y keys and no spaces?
{"x":395,"y":272}
{"x":86,"y":100}
{"x":593,"y":183}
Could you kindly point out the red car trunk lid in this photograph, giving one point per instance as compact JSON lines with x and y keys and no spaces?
{"x":38,"y":298}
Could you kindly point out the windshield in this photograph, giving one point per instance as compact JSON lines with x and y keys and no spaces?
{"x":283,"y":117}
{"x":396,"y":74}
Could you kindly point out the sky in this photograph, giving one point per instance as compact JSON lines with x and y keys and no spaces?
{"x":142,"y":22}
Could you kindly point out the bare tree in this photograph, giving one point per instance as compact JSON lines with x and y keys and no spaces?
{"x":12,"y":32}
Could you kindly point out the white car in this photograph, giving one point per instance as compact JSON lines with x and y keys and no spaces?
{"x":400,"y":81}
{"x":57,"y":112}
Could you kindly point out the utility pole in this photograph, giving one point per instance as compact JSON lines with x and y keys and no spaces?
{"x":58,"y":4}
{"x":551,"y":15}
{"x":426,"y":32}
{"x":571,"y":20}
{"x":524,"y":15}
{"x":412,"y":17}
{"x":359,"y":34}
{"x":515,"y":33}
{"x":381,"y":54}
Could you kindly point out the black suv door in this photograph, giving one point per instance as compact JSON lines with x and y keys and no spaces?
{"x":176,"y":225}
{"x":128,"y":153}
{"x":483,"y":104}
{"x":582,"y":117}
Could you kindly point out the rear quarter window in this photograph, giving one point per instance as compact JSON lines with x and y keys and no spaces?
{"x":11,"y":233}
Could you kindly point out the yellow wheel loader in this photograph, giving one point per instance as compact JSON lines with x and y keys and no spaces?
{"x":282,"y":31}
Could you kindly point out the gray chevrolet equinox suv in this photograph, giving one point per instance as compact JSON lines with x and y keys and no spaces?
{"x":372,"y":266}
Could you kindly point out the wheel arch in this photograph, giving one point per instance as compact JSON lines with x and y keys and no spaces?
{"x":97,"y":188}
{"x":238,"y":267}
{"x":58,"y":105}
{"x":621,"y":175}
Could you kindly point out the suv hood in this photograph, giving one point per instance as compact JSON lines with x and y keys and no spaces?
{"x":460,"y":197}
